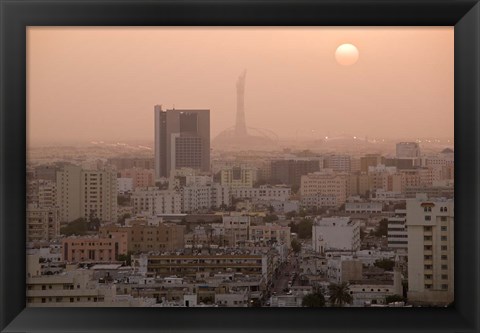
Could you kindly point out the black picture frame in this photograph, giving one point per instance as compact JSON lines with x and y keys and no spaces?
{"x":16,"y":15}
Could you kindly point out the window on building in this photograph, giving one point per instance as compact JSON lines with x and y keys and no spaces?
{"x":428,"y":218}
{"x":444,"y":228}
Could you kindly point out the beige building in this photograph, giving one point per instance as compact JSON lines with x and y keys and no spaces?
{"x":270,"y":233}
{"x":238,"y":176}
{"x":190,"y":265}
{"x":79,"y":249}
{"x":43,"y":223}
{"x":142,"y":237}
{"x":86,"y":193}
{"x":430,"y":230}
{"x":77,"y":289}
{"x":233,"y":230}
{"x":140,"y":177}
{"x":326,"y":184}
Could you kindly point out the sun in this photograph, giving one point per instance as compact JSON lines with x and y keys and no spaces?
{"x":346,"y":54}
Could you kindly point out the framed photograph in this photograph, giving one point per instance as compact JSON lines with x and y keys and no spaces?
{"x":256,"y":166}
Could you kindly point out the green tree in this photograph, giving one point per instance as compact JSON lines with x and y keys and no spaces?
{"x":291,"y":214}
{"x":296,"y":246}
{"x":123,"y":200}
{"x":270,"y":218}
{"x":394,"y":298}
{"x":340,"y":294}
{"x":386,"y":264}
{"x":293,"y":227}
{"x":305,"y":229}
{"x":127,"y":258}
{"x":382,"y":228}
{"x":76,"y":227}
{"x":315,"y":300}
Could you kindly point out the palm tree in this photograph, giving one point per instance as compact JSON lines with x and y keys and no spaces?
{"x":340,"y":294}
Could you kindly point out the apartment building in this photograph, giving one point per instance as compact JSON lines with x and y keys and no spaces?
{"x":430,"y":224}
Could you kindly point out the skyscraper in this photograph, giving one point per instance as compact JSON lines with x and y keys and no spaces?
{"x":182,"y":139}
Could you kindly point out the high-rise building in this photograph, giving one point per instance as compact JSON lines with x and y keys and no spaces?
{"x":182,"y":139}
{"x":86,"y":193}
{"x":430,"y":224}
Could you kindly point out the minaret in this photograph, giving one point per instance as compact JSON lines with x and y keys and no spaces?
{"x":240,"y":126}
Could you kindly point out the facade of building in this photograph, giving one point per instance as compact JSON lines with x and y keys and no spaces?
{"x":363,"y":207}
{"x":397,"y":232}
{"x":196,"y":198}
{"x":289,"y":172}
{"x":270,"y":233}
{"x":77,"y":289}
{"x":140,"y":177}
{"x":189,"y":266}
{"x":86,"y":193}
{"x":408,"y":150}
{"x":326,"y":184}
{"x":182,"y":139}
{"x":264,"y":192}
{"x":79,"y":249}
{"x":335,"y":233}
{"x":141,"y":237}
{"x":238,"y":176}
{"x":233,"y":231}
{"x":338,"y":163}
{"x":344,"y":269}
{"x":43,"y":223}
{"x":153,"y":201}
{"x":430,"y":224}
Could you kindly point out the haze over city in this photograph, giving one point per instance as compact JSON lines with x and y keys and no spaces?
{"x":90,"y":84}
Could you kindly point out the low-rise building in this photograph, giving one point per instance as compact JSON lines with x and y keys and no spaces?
{"x":96,"y":249}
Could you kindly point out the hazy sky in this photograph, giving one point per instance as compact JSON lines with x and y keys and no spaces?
{"x":102,"y":83}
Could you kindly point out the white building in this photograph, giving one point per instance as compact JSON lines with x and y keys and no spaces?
{"x":153,"y":201}
{"x":335,"y":233}
{"x":397,"y":230}
{"x":264,"y":192}
{"x":430,"y":232}
{"x":363,"y":207}
{"x":213,"y":195}
{"x":124,"y":185}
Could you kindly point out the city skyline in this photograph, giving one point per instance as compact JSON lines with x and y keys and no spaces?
{"x":114,"y":75}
